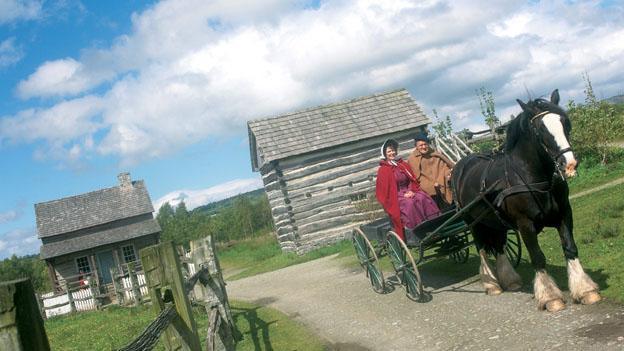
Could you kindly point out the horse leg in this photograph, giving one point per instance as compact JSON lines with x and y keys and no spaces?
{"x":509,"y":279}
{"x":547,"y":293}
{"x":488,"y":278}
{"x":582,"y":287}
{"x":484,"y":239}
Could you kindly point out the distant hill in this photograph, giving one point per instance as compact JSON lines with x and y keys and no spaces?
{"x":214,"y":207}
{"x":618,"y":99}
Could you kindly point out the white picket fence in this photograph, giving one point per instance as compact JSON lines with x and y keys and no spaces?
{"x":58,"y":304}
{"x":127,"y":284}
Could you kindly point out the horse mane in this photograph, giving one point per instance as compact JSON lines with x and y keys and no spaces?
{"x":516,"y":129}
{"x":519,"y":126}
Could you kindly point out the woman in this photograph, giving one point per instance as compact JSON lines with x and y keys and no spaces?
{"x":432,"y":171}
{"x":399,"y":193}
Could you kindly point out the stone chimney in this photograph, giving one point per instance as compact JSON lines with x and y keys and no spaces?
{"x":124,"y":179}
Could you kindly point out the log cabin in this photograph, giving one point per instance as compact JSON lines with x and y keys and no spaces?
{"x":319,"y":165}
{"x":88,"y":234}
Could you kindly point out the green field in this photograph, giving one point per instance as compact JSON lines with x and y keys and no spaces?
{"x":259,"y":328}
{"x":263,"y":254}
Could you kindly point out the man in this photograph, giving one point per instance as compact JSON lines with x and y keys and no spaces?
{"x":432,"y":170}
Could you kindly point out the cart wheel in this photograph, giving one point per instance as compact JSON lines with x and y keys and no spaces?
{"x":368,"y":260}
{"x":460,"y":256}
{"x":513,"y":249}
{"x":404,"y":266}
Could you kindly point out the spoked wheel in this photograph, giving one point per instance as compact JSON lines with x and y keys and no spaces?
{"x":368,"y":260}
{"x":460,"y":256}
{"x":404,"y":266}
{"x":513,"y":249}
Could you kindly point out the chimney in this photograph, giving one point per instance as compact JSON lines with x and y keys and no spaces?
{"x":124,"y":179}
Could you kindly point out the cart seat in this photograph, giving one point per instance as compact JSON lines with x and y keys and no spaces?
{"x":430,"y":225}
{"x":377,"y":229}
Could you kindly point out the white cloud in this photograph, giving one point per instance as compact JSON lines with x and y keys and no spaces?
{"x":9,"y":53}
{"x":19,"y":242}
{"x":9,"y":216}
{"x":196,"y":198}
{"x":191,"y":70}
{"x":14,"y":10}
{"x":60,"y":77}
{"x":62,"y":123}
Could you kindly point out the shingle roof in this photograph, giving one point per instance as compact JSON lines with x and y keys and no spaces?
{"x":331,"y":125}
{"x":91,"y":209}
{"x":104,"y":237}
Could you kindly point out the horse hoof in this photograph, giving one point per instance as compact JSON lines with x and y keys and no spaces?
{"x":555,"y":305}
{"x":494,"y":291}
{"x":514,"y":287}
{"x":590,"y":298}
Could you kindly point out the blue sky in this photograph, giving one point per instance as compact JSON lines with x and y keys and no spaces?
{"x":163,"y":90}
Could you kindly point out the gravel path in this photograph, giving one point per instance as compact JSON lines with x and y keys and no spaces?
{"x":339,"y":305}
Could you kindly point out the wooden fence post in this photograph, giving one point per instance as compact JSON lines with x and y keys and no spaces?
{"x":21,"y":325}
{"x":94,"y":292}
{"x":136,"y":292}
{"x":40,"y":305}
{"x":214,"y":294}
{"x":117,"y":285}
{"x":70,"y":298}
{"x":163,"y":274}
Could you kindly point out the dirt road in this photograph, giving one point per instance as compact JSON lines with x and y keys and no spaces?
{"x":338,"y":304}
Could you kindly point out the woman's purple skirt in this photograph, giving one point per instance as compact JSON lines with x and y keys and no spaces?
{"x":417,"y":209}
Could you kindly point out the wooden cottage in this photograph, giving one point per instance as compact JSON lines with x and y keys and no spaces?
{"x":319,"y":165}
{"x":88,"y":234}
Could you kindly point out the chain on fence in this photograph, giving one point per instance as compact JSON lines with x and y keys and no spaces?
{"x":148,"y":339}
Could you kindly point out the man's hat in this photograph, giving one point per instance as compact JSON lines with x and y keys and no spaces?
{"x":421,"y":136}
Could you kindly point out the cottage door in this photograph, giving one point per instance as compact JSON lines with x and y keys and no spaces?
{"x":105,"y":263}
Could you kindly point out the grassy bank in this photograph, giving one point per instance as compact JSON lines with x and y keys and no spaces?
{"x":263,"y":254}
{"x":260,"y":328}
{"x":595,"y":176}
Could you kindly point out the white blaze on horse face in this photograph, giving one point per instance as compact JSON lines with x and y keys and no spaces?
{"x":553,"y":124}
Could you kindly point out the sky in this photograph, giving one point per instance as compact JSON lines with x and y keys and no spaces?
{"x":163,"y":89}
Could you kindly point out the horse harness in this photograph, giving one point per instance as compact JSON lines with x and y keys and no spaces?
{"x":509,"y":189}
{"x":553,"y":158}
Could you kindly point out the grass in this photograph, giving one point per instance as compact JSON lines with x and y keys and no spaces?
{"x":594,"y":176}
{"x":263,"y":254}
{"x":260,"y":328}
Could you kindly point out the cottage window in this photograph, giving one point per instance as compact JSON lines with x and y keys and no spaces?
{"x":128,"y":253}
{"x":82,"y":263}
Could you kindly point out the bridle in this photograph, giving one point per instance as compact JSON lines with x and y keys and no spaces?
{"x":553,"y":156}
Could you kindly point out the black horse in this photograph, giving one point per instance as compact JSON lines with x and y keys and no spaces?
{"x":525,"y":189}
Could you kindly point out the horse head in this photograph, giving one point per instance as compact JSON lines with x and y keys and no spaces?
{"x":551,"y":127}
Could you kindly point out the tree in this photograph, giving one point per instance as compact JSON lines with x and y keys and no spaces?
{"x":442,"y":127}
{"x":488,"y":110}
{"x":596,"y":125}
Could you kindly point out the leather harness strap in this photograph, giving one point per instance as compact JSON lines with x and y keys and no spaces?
{"x":541,"y":187}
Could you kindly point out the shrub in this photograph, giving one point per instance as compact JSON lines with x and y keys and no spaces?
{"x":596,"y":125}
{"x":607,"y":231}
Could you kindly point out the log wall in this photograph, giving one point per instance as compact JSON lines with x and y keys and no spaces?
{"x":318,"y":198}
